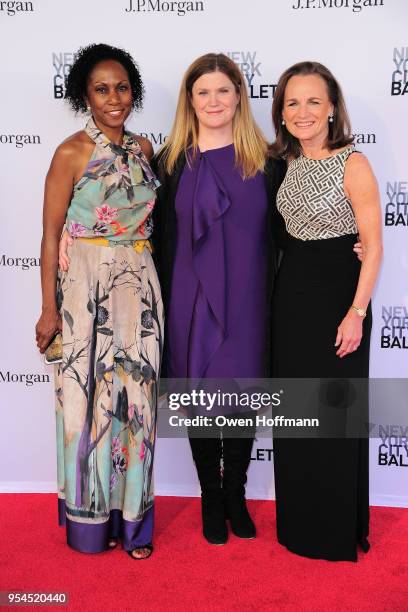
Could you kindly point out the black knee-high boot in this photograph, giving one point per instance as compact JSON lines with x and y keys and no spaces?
{"x":207,"y":457}
{"x":237,"y":456}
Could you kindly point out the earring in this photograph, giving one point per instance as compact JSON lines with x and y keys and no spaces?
{"x":283,"y":122}
{"x":331,"y":119}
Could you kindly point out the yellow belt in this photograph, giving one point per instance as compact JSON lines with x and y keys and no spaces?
{"x":137,"y":245}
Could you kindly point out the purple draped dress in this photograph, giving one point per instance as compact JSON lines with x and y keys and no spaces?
{"x":216,"y":321}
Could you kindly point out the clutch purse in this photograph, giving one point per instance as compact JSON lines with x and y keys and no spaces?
{"x":53,"y":352}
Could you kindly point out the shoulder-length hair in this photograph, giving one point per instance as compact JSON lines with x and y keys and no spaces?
{"x":249,"y":142}
{"x":339,"y":134}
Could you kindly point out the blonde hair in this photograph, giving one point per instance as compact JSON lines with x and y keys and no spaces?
{"x":249,"y":142}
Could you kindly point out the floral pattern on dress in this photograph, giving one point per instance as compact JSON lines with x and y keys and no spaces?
{"x":113,"y":340}
{"x":122,"y":176}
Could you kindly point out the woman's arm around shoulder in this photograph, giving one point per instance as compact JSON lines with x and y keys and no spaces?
{"x":146,"y":146}
{"x":275,"y":171}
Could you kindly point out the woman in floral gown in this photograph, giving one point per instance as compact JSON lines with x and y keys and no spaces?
{"x":108,"y":306}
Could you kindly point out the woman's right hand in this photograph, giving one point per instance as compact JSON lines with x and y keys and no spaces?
{"x":359,"y":251}
{"x":47,"y":326}
{"x":63,"y":259}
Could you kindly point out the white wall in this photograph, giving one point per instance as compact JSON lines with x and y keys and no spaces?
{"x":355,"y":40}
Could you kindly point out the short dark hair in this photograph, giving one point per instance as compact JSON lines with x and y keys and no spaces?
{"x":85,"y":61}
{"x":339,"y":135}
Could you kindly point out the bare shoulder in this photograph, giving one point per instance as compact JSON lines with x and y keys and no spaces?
{"x":357,"y":161}
{"x":78,"y":143}
{"x":72,"y":151}
{"x":146,"y":146}
{"x":358,"y":175}
{"x":71,"y":154}
{"x":358,"y":168}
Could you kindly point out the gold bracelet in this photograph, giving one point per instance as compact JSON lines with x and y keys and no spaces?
{"x":360,"y":311}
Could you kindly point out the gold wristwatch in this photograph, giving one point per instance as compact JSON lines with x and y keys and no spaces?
{"x":360,"y":311}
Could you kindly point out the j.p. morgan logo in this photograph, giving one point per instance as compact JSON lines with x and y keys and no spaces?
{"x":393,"y":450}
{"x":62,"y":62}
{"x":12,"y":8}
{"x":364,"y":138}
{"x":250,"y":66}
{"x":24,"y":263}
{"x":396,"y":208}
{"x":399,"y":77}
{"x":26,"y":379}
{"x":394,"y":331}
{"x":156,"y":138}
{"x":158,"y":6}
{"x":355,"y":5}
{"x":19,"y":140}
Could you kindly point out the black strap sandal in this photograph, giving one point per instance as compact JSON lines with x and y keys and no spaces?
{"x":149,"y":547}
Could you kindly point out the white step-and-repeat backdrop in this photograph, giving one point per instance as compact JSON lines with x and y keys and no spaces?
{"x":364,"y":43}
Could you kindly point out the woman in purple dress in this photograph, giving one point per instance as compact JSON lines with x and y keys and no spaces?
{"x":215,"y":259}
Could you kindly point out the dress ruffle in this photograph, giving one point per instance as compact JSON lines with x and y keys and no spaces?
{"x":209,"y":322}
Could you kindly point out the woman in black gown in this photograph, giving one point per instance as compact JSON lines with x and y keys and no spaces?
{"x":322,"y":319}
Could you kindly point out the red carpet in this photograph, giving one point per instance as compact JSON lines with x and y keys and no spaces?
{"x":186,"y":573}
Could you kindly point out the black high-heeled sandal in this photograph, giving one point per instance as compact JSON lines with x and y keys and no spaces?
{"x":149,"y":547}
{"x":113,"y":543}
{"x":364,"y":545}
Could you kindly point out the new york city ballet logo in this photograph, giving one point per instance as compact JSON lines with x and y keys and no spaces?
{"x":12,"y":8}
{"x":399,"y":75}
{"x":61,"y":62}
{"x":250,"y":66}
{"x":27,"y":379}
{"x":24,"y":263}
{"x":20,"y":140}
{"x":394,"y":331}
{"x":262,"y":454}
{"x":355,"y":5}
{"x":393,"y":450}
{"x":179,"y":8}
{"x":396,"y":208}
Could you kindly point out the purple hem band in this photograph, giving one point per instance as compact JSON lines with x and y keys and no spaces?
{"x":93,"y":538}
{"x":61,"y":512}
{"x":138,"y":533}
{"x":88,"y":537}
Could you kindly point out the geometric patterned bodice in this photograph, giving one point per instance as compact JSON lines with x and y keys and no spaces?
{"x":312,"y":201}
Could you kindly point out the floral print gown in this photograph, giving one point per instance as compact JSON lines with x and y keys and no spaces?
{"x":106,"y":385}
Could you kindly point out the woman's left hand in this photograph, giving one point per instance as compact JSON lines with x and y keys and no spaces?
{"x":349,"y":334}
{"x":359,"y":251}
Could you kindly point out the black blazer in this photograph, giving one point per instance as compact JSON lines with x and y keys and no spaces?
{"x":164,"y":235}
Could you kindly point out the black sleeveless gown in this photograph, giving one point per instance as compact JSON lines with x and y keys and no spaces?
{"x":321,"y":483}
